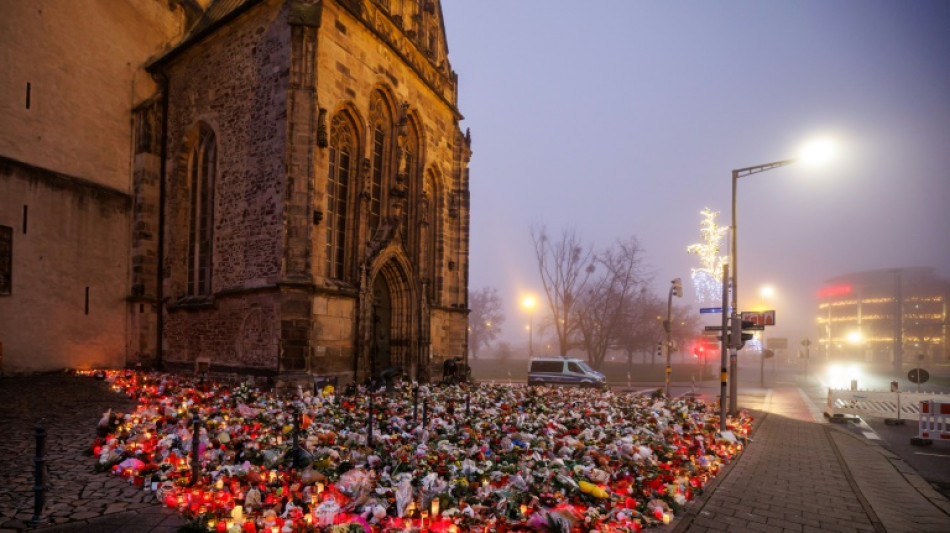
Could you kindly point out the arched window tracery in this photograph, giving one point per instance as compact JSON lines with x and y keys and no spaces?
{"x":202,"y":166}
{"x":342,"y":150}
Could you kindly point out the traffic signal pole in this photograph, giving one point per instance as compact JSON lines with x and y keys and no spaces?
{"x":723,"y":347}
{"x":676,"y":289}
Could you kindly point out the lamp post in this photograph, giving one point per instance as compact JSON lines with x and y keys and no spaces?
{"x":529,"y":303}
{"x":815,"y":152}
{"x":735,"y":340}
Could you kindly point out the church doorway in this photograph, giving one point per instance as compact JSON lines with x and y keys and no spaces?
{"x":391,"y":320}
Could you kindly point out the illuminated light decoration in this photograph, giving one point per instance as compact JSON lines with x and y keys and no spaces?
{"x":707,"y":279}
{"x":835,"y":290}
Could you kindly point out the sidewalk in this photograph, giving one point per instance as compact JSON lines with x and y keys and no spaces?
{"x":77,"y":498}
{"x":797,"y":475}
{"x":804,"y":476}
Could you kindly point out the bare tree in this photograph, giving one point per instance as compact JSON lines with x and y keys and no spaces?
{"x":600,"y":310}
{"x":686,"y":327}
{"x":485,"y":318}
{"x":641,"y":324}
{"x":565,"y":267}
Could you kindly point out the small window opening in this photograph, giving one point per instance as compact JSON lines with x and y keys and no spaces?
{"x":25,"y":209}
{"x":87,"y":300}
{"x":27,"y":95}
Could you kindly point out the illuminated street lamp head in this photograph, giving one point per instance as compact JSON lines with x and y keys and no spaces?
{"x":528,"y":302}
{"x":818,"y":151}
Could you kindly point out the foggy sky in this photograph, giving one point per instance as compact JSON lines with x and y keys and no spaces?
{"x":622,"y":118}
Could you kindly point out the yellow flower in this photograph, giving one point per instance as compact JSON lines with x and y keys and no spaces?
{"x":591,"y":489}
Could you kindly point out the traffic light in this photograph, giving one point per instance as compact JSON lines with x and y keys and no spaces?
{"x":738,"y":337}
{"x":661,"y":349}
{"x":678,"y":288}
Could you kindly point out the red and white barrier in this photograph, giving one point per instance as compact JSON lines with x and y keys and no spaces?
{"x":934,"y":420}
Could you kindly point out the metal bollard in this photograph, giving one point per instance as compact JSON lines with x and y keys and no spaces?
{"x":369,"y":421}
{"x":296,"y":444}
{"x":425,"y":411}
{"x":195,"y":460}
{"x":468,"y":404}
{"x":39,"y":475}
{"x":415,"y":403}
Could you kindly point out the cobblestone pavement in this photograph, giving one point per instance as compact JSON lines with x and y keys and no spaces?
{"x":799,"y":475}
{"x":70,"y":408}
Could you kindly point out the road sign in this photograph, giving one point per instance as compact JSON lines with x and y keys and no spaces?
{"x":708,"y":310}
{"x":918,"y":375}
{"x":777,"y":343}
{"x":759,"y":318}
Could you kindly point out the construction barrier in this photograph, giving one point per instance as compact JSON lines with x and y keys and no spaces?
{"x":934,"y":421}
{"x":887,"y":405}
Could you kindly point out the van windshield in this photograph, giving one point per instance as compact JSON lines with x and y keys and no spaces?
{"x":585,"y":366}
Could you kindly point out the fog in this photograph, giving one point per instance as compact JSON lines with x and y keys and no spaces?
{"x":622,"y":118}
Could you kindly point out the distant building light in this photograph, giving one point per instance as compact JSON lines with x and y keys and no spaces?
{"x":835,"y":290}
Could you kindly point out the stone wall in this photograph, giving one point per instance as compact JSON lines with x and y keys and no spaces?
{"x":235,"y":82}
{"x":72,"y":73}
{"x":67,"y":307}
{"x":80,"y":65}
{"x":241,"y":333}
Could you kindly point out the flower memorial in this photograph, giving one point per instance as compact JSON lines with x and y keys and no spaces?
{"x":440,"y":459}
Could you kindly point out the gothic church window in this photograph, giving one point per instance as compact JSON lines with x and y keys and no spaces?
{"x":431,"y":206}
{"x":342,"y":150}
{"x":410,"y":157}
{"x":202,"y":161}
{"x":380,"y":127}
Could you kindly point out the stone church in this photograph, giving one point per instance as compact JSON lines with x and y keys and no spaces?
{"x":269,"y":187}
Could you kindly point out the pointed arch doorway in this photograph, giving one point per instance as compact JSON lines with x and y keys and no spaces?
{"x":391,"y":320}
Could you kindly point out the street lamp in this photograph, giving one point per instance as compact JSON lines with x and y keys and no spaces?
{"x":529,"y":303}
{"x":815,"y":152}
{"x":765,"y":293}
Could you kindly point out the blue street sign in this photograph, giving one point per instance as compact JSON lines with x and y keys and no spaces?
{"x":706,"y":310}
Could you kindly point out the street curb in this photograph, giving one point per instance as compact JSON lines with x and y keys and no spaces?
{"x":865,"y":504}
{"x":913,"y":478}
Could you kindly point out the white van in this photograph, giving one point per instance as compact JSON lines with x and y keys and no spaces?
{"x":563,"y":371}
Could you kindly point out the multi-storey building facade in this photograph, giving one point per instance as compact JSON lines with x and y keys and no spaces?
{"x":297,"y":199}
{"x":873,"y":316}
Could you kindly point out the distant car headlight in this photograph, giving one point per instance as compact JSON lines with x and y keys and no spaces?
{"x":840,"y":375}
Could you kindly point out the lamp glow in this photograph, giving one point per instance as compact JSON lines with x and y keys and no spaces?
{"x":818,"y":151}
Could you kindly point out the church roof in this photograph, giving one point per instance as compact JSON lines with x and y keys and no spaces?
{"x":219,"y":12}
